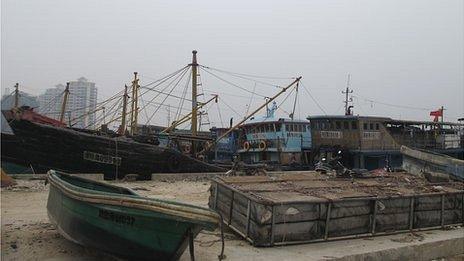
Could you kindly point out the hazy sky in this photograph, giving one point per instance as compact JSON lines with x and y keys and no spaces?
{"x":407,"y":53}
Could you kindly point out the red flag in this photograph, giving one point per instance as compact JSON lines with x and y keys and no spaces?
{"x":436,"y":114}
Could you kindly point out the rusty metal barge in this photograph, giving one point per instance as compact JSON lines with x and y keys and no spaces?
{"x":312,"y":207}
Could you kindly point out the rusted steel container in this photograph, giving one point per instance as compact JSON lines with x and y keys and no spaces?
{"x":310,"y":207}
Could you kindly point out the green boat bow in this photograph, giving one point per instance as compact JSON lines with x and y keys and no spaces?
{"x":119,"y":221}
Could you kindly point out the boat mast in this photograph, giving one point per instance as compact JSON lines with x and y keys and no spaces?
{"x":122,"y":127}
{"x":134,"y":104}
{"x":188,"y":116}
{"x":65,"y":100}
{"x":209,"y":146}
{"x":194,"y":126}
{"x":347,"y":100}
{"x":16,"y":103}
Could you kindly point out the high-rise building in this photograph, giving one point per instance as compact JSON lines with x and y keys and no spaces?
{"x":82,"y":100}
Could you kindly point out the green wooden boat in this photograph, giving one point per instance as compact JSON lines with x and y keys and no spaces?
{"x":119,"y":221}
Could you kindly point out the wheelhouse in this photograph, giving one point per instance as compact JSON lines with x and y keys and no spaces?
{"x":280,"y":141}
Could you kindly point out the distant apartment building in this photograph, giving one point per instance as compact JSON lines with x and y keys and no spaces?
{"x":82,"y":100}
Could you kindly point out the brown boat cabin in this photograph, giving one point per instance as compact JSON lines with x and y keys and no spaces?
{"x":373,"y":142}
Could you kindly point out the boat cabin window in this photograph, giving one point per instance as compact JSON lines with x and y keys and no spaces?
{"x":338,"y":125}
{"x":278,"y":126}
{"x":346,"y":125}
{"x":376,"y":126}
{"x":354,"y":125}
{"x":365,"y":126}
{"x":371,"y":126}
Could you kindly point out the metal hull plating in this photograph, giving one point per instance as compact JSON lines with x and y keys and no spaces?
{"x":47,"y":147}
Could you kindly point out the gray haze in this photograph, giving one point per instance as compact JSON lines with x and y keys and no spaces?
{"x":407,"y":53}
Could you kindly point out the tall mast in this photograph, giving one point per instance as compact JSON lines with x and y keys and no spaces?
{"x":122,"y":127}
{"x":65,"y":100}
{"x":134,"y":104}
{"x":16,"y":101}
{"x":347,"y":100}
{"x":194,"y":93}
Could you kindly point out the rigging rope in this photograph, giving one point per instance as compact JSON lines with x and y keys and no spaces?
{"x":233,"y":84}
{"x":394,"y":105}
{"x":242,"y":77}
{"x":184,"y":93}
{"x":251,"y":100}
{"x":169,"y":84}
{"x":230,"y":107}
{"x":312,"y":98}
{"x":250,"y":75}
{"x":177,"y":83}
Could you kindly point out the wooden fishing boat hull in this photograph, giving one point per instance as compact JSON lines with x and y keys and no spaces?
{"x":47,"y":147}
{"x":125,"y":225}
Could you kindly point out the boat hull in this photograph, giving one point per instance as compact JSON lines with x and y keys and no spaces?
{"x":47,"y":147}
{"x":129,"y":232}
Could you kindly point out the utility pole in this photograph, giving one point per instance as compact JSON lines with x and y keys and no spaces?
{"x":16,"y":103}
{"x":348,"y":99}
{"x":65,"y":100}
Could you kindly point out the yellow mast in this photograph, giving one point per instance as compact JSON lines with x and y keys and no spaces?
{"x":194,"y":93}
{"x":65,"y":100}
{"x":194,"y":99}
{"x":209,"y":146}
{"x":134,"y":104}
{"x":188,"y":116}
{"x":122,"y":127}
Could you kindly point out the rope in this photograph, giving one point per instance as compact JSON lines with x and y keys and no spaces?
{"x":50,"y":102}
{"x":251,"y":100}
{"x":395,"y":105}
{"x":177,"y":83}
{"x":250,"y":75}
{"x":220,"y":115}
{"x":229,"y":106}
{"x":242,"y":77}
{"x":235,"y":85}
{"x":184,"y":93}
{"x":312,"y":98}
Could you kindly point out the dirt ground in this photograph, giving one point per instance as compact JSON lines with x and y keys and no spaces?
{"x":26,"y":233}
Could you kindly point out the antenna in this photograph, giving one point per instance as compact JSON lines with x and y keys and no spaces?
{"x":348,"y":99}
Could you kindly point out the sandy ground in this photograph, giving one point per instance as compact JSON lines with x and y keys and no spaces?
{"x":27,"y":234}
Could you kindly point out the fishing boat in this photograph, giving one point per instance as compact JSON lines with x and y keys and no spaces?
{"x":43,"y":143}
{"x":119,"y":221}
{"x":44,"y":147}
{"x":423,"y":162}
{"x":282,"y":143}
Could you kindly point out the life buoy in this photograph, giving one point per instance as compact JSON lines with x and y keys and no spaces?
{"x":262,"y":145}
{"x":246,"y":146}
{"x":187,"y":149}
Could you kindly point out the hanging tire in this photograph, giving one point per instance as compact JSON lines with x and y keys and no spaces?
{"x":246,"y":146}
